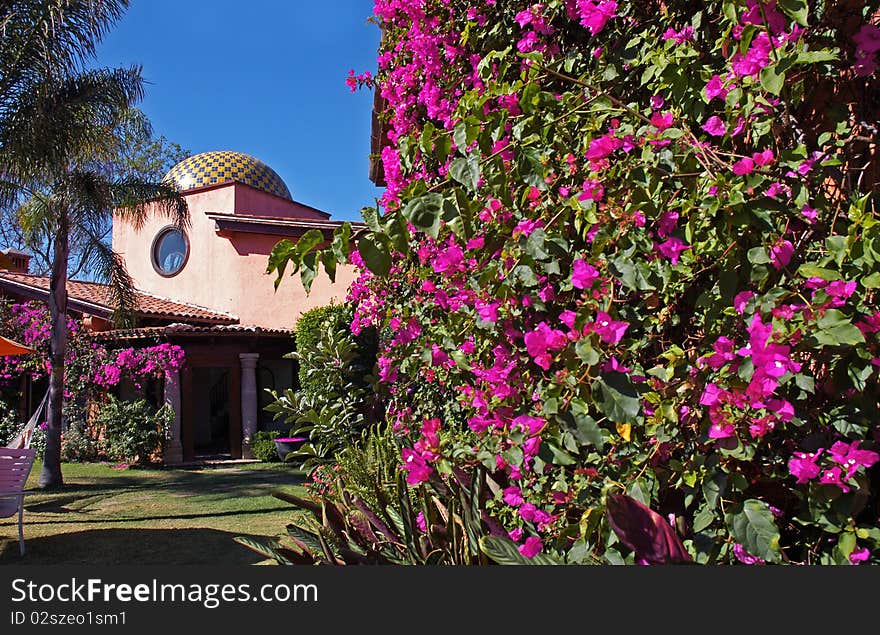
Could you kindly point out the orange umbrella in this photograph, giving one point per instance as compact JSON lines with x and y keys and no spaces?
{"x":8,"y":347}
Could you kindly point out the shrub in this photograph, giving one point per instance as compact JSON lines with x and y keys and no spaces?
{"x":338,"y":407}
{"x":366,"y":514}
{"x":263,"y":445}
{"x":311,"y":328}
{"x":78,"y":445}
{"x":132,"y":431}
{"x":633,"y":250}
{"x":9,"y":424}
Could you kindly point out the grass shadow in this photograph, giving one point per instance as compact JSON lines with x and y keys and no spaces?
{"x":133,"y":547}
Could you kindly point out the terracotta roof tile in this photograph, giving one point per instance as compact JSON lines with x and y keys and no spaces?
{"x":98,"y":295}
{"x":191,"y":329}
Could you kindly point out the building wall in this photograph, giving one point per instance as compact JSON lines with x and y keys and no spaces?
{"x":227,"y":273}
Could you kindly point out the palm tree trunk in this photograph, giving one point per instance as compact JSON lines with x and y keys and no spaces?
{"x":50,"y":477}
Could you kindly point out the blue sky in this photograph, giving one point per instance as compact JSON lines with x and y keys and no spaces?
{"x":263,"y":77}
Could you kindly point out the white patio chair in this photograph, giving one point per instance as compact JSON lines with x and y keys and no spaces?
{"x":15,"y":466}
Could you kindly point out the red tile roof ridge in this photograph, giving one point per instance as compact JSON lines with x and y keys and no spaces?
{"x":177,"y":308}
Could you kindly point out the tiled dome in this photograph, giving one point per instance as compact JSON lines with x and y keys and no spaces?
{"x":226,"y":166}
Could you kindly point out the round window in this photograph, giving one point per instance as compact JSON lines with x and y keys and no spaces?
{"x":170,"y":250}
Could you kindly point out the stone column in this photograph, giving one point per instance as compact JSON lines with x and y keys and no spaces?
{"x":248,"y":401}
{"x":173,"y":448}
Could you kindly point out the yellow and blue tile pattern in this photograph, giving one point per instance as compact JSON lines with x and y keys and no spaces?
{"x":226,"y":166}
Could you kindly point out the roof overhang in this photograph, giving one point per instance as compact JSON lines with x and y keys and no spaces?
{"x":273,"y":226}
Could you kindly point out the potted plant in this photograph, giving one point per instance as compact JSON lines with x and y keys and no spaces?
{"x":286,"y":445}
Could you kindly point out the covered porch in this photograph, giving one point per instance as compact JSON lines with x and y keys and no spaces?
{"x":219,"y":394}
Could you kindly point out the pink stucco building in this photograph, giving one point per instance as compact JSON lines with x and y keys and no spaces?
{"x":206,"y":289}
{"x":239,"y":209}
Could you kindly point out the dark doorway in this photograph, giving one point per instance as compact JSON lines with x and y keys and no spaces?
{"x":211,"y":411}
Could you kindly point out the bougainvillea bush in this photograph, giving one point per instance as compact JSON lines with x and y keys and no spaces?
{"x":633,"y":247}
{"x":91,"y":371}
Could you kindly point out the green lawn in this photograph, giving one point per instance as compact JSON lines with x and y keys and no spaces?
{"x":105,"y":516}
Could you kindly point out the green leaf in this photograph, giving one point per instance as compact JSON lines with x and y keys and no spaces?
{"x":814,"y":57}
{"x":371,"y":218}
{"x":341,"y":245}
{"x":771,"y":80}
{"x":755,"y":529}
{"x":795,"y":9}
{"x":531,"y":170}
{"x":871,"y":281}
{"x":535,"y":245}
{"x":835,"y":329}
{"x":808,"y":270}
{"x":713,"y":487}
{"x":466,"y":171}
{"x":631,"y":273}
{"x":758,"y":256}
{"x":617,"y":398}
{"x":505,"y":551}
{"x":424,"y":213}
{"x":588,"y":431}
{"x":375,"y":253}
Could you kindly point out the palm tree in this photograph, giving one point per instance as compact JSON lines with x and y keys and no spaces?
{"x":59,"y":129}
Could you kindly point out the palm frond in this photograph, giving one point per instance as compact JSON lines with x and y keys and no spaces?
{"x":109,"y":267}
{"x":134,"y":199}
{"x":50,"y":37}
{"x":71,"y":121}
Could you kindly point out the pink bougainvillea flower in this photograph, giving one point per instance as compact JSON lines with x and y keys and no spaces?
{"x":867,"y":41}
{"x":488,"y":311}
{"x":416,"y":467}
{"x":679,"y":37}
{"x":781,"y":253}
{"x":672,"y":248}
{"x":851,"y":457}
{"x":531,"y":446}
{"x":832,"y":477}
{"x":592,"y":191}
{"x":602,"y":147}
{"x":741,"y":299}
{"x":662,"y":121}
{"x":527,"y":511}
{"x":529,"y":424}
{"x":667,"y":224}
{"x":721,"y":430}
{"x":803,"y":466}
{"x":745,"y":557}
{"x":515,"y":534}
{"x":715,"y":126}
{"x":809,"y":213}
{"x":583,"y":274}
{"x":744,"y":166}
{"x":541,"y":340}
{"x":612,"y":365}
{"x":532,"y":547}
{"x":715,"y":88}
{"x":764,"y":158}
{"x":657,"y":102}
{"x":756,"y":58}
{"x":859,"y":555}
{"x":723,"y":348}
{"x":421,"y":524}
{"x":591,"y":14}
{"x":450,"y":259}
{"x":757,"y":11}
{"x":513,"y":496}
{"x":608,"y":330}
{"x":711,"y":395}
{"x":568,"y":318}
